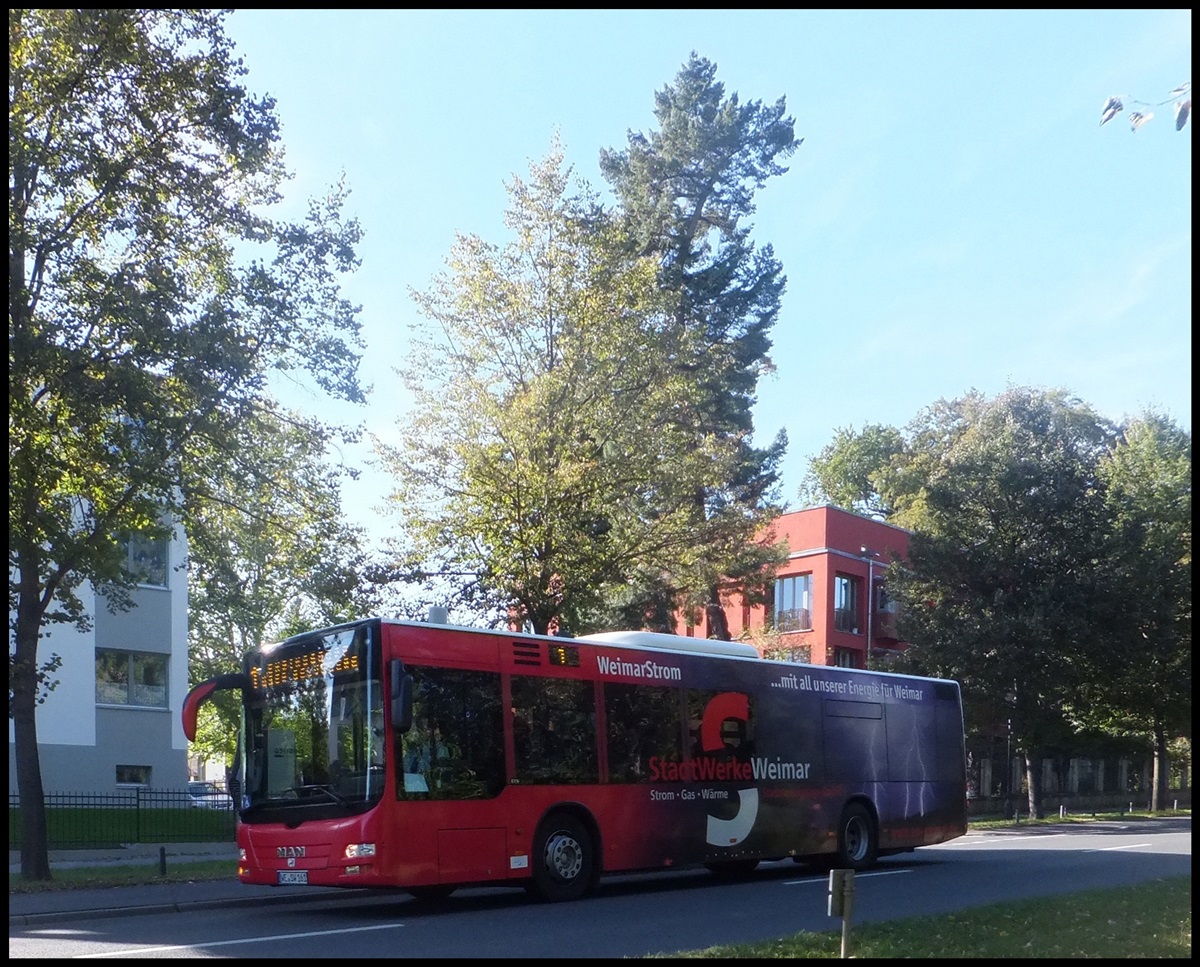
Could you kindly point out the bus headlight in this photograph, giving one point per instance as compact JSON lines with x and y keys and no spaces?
{"x":359,"y":850}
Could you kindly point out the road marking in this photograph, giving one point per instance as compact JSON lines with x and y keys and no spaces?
{"x":1109,"y":849}
{"x":993,"y":840}
{"x":227,"y":943}
{"x":857,"y":876}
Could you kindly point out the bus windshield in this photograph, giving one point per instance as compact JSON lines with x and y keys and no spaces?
{"x":314,"y":728}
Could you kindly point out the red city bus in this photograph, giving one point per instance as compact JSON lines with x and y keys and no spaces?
{"x":387,"y":753}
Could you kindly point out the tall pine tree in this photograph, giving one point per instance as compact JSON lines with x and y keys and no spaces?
{"x":684,"y":193}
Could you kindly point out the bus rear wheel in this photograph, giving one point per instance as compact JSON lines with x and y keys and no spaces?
{"x":858,"y":839}
{"x":564,"y":859}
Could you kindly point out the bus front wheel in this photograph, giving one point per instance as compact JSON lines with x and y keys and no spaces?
{"x":858,"y":839}
{"x":564,"y":859}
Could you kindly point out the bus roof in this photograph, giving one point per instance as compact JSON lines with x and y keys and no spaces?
{"x":658,"y":640}
{"x":651,"y":640}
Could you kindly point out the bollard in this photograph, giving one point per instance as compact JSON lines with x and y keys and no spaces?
{"x":841,"y":902}
{"x":162,"y":861}
{"x":1062,"y":812}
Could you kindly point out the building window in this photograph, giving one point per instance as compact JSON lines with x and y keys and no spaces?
{"x":845,"y":603}
{"x":131,"y":678}
{"x":793,"y":603}
{"x":147,"y":560}
{"x":844,"y":658}
{"x":133,"y":775}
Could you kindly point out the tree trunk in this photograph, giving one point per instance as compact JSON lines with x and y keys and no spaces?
{"x":35,"y":856}
{"x":1033,"y":782}
{"x":714,"y":614}
{"x":1162,"y":770}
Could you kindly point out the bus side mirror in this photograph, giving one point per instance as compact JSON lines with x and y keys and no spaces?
{"x":204,"y":691}
{"x":402,"y":687}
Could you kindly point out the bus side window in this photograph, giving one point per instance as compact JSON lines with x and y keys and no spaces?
{"x":554,"y":730}
{"x":454,"y":748}
{"x":643,"y":723}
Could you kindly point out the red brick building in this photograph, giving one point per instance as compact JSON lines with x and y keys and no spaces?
{"x":829,"y":604}
{"x":819,"y":611}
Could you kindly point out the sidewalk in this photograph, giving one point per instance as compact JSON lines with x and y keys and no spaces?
{"x":26,"y":909}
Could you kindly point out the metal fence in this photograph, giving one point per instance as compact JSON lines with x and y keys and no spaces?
{"x":985,"y":807}
{"x":102,"y":821}
{"x":137,"y":815}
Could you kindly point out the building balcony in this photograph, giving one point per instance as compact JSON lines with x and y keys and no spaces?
{"x":845,"y":619}
{"x":797,"y":619}
{"x":884,"y":624}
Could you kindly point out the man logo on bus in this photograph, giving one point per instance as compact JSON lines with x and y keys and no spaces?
{"x":728,"y":705}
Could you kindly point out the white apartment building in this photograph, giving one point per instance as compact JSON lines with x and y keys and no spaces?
{"x":113,"y":721}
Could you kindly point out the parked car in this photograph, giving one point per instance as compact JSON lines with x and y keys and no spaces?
{"x":206,"y":795}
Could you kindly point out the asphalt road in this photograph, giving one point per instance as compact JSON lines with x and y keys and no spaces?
{"x":631,"y":916}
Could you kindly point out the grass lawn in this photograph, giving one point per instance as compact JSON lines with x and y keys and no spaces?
{"x":94,"y":877}
{"x":1150,"y":920}
{"x":104,"y":827}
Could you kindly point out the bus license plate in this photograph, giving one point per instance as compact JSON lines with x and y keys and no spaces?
{"x":292,"y":877}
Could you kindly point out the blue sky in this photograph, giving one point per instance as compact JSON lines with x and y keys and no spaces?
{"x":956,"y":218}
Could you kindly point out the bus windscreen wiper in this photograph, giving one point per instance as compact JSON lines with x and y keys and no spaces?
{"x":306,"y":792}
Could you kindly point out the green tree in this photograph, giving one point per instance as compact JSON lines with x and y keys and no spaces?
{"x":141,"y":332}
{"x":684,"y":193}
{"x":269,"y":556}
{"x":1010,"y":533}
{"x":1148,"y":634}
{"x":544,"y":461}
{"x":844,"y":472}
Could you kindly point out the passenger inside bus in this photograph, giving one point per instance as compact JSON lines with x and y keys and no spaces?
{"x":377,"y":739}
{"x":425,"y":754}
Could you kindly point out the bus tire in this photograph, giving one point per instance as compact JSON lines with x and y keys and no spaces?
{"x":858,"y":838}
{"x":564,"y":859}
